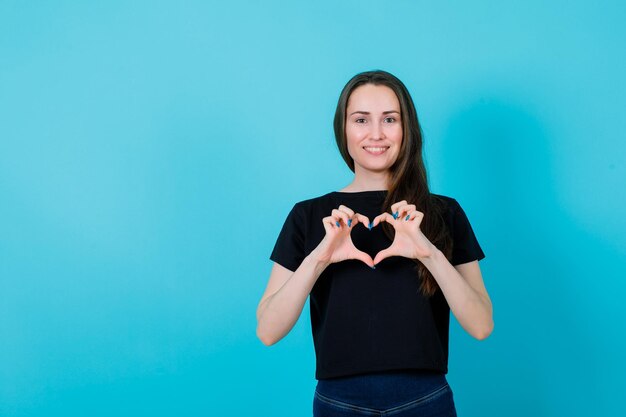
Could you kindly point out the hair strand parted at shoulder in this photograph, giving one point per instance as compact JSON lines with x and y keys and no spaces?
{"x":408,"y":178}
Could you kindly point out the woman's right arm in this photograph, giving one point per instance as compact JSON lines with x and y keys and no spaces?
{"x":284,"y":298}
{"x":286,"y":292}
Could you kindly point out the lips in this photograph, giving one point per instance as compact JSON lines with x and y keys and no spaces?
{"x":375,"y":150}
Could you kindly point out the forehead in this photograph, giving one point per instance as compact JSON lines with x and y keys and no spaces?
{"x":370,"y":97}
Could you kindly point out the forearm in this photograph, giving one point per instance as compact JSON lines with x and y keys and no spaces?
{"x":278,"y":313}
{"x":472,"y":309}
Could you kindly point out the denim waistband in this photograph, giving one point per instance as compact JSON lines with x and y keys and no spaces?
{"x":382,"y":390}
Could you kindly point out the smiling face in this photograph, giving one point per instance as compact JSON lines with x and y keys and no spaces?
{"x":373,"y":128}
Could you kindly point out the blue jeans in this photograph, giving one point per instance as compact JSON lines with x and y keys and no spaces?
{"x":398,"y":394}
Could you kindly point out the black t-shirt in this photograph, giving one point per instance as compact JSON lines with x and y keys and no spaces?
{"x":368,"y":320}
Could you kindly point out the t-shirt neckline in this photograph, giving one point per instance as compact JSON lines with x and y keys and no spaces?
{"x":361,"y":192}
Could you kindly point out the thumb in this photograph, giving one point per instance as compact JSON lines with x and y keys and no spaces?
{"x":364,"y":257}
{"x":383,"y":254}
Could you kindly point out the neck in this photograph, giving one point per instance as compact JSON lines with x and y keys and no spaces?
{"x":368,"y":181}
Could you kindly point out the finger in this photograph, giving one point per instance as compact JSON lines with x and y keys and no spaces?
{"x":415,"y":216}
{"x":383,"y":254}
{"x":347,"y":210}
{"x":403,"y":211}
{"x":396,"y":206}
{"x":339,"y":216}
{"x":376,"y":220}
{"x":365,"y":258}
{"x":352,"y":220}
{"x":385,"y":217}
{"x":360,"y":218}
{"x":329,"y":223}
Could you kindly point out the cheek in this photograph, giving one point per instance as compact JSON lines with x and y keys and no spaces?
{"x":352,"y":148}
{"x":397,"y":138}
{"x":352,"y":139}
{"x":352,"y":134}
{"x":397,"y":134}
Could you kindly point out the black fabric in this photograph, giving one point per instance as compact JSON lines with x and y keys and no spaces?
{"x":366,"y":320}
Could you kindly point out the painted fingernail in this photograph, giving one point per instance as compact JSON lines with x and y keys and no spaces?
{"x":337,"y":223}
{"x":407,"y":217}
{"x":349,"y":222}
{"x":370,"y":226}
{"x":395,"y":215}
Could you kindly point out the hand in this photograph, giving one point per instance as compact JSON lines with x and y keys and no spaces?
{"x":409,"y":240}
{"x":337,"y":244}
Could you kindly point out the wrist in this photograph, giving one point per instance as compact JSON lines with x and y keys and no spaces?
{"x":432,"y":258}
{"x":317,"y":261}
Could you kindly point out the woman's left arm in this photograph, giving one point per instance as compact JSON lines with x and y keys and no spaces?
{"x":463,"y":287}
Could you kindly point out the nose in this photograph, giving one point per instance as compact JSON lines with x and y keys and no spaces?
{"x":377,"y":131}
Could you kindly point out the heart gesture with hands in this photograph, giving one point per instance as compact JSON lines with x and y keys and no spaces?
{"x":337,"y":245}
{"x":409,"y":241}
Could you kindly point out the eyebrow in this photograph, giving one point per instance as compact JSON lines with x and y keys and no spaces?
{"x":366,"y":112}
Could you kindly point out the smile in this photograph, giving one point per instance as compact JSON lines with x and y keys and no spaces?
{"x":375,"y":150}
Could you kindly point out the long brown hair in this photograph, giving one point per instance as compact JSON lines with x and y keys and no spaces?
{"x":408,"y":180}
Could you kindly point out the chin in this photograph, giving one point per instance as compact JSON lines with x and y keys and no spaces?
{"x":376,"y":168}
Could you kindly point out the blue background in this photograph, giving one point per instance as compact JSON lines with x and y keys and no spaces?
{"x":150,"y":152}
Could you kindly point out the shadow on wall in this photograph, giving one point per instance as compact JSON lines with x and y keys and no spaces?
{"x":556,"y":323}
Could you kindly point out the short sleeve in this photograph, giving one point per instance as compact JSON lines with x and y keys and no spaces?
{"x":289,"y":248}
{"x":465,"y":247}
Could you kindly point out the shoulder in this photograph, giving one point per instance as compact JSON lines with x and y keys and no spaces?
{"x":465,"y":246}
{"x":314,"y":203}
{"x":449,"y":209}
{"x":309,"y":209}
{"x":446,"y":204}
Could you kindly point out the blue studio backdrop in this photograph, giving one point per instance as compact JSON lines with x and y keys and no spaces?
{"x":151,"y":150}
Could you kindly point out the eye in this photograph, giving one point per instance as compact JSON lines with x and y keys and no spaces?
{"x":359,"y":120}
{"x":390,"y":119}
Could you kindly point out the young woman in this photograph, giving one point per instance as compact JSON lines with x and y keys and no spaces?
{"x":384,"y":261}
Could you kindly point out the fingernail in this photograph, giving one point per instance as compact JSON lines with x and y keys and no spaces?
{"x":373,"y":267}
{"x":349,"y":222}
{"x":338,"y":225}
{"x":395,"y":215}
{"x":407,"y":217}
{"x":370,"y":226}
